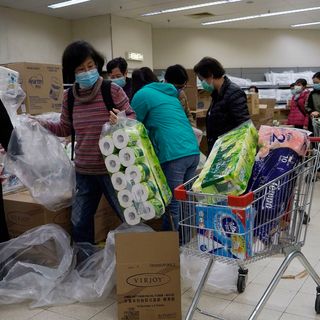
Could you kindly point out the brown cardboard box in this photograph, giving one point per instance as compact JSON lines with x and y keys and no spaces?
{"x":191,"y":93}
{"x":148,"y":276}
{"x":204,"y":100}
{"x":42,"y":84}
{"x":23,"y":214}
{"x":253,"y":103}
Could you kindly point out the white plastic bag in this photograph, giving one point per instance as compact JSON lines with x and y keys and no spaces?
{"x":222,"y":277}
{"x":41,"y":266}
{"x":37,"y":158}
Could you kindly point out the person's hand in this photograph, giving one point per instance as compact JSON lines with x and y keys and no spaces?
{"x":113,"y":116}
{"x":315,"y":114}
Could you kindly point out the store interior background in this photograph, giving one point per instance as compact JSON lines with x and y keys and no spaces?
{"x":29,"y":32}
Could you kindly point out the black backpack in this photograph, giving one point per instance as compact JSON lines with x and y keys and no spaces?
{"x":107,"y":99}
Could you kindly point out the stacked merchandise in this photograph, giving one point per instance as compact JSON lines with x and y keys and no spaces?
{"x":135,"y":171}
{"x":223,"y":230}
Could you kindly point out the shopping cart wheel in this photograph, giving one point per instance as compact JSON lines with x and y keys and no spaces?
{"x":306,"y":218}
{"x":317,"y":304}
{"x":242,"y":279}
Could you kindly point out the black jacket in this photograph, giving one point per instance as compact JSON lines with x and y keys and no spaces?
{"x":228,"y":109}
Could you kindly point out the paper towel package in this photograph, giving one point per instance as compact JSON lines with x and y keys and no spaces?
{"x":225,"y":231}
{"x":136,"y":174}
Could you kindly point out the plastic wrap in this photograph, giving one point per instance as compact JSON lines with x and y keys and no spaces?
{"x":37,"y":158}
{"x":229,"y":165}
{"x":41,"y":266}
{"x":135,"y":171}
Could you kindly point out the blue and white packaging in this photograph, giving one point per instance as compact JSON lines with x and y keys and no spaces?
{"x":225,"y":231}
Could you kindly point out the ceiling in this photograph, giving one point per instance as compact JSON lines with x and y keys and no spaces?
{"x":135,"y":8}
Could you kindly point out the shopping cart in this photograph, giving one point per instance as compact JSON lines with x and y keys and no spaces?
{"x":254,"y":230}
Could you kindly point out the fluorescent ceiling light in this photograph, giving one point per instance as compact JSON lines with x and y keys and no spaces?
{"x":263,"y":15}
{"x":305,"y":24}
{"x":202,"y":5}
{"x":66,"y":3}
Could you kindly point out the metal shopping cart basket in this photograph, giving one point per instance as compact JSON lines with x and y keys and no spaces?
{"x":244,"y":229}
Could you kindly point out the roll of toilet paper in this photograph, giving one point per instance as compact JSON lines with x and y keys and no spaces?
{"x":125,"y":198}
{"x":151,"y":209}
{"x":106,"y":145}
{"x":131,"y":216}
{"x":137,"y":173}
{"x":112,"y":163}
{"x":119,"y":181}
{"x":143,"y":191}
{"x":131,"y":155}
{"x":123,"y":138}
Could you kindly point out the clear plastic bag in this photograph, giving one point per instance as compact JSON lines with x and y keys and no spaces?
{"x":222,"y":277}
{"x":37,"y":158}
{"x":41,"y":266}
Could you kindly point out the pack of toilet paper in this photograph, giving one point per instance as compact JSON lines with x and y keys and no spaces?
{"x":136,"y":174}
{"x":229,"y":165}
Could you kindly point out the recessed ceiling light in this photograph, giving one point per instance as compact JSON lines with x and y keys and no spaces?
{"x":202,"y":5}
{"x":66,"y":3}
{"x":263,"y":15}
{"x":305,"y":24}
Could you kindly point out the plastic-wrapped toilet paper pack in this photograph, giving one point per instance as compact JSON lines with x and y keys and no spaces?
{"x":137,"y":173}
{"x":229,"y":165}
{"x":131,"y":155}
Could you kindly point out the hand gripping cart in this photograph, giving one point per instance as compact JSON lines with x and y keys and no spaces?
{"x":254,"y":230}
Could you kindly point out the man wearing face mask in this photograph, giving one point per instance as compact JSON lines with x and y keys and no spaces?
{"x":229,"y":107}
{"x":298,"y":116}
{"x":117,"y":70}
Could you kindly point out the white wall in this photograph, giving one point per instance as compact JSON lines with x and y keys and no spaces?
{"x":237,"y":48}
{"x":32,"y":37}
{"x":134,"y":36}
{"x":97,"y":31}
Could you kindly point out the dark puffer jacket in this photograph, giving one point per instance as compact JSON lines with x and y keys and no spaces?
{"x":228,"y":109}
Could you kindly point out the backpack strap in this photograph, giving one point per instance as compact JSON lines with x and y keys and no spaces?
{"x":106,"y":94}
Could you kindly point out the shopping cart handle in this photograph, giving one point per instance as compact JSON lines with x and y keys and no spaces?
{"x":180,"y":193}
{"x":314,"y":139}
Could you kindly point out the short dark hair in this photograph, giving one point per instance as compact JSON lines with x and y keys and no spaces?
{"x":292,"y":85}
{"x":302,"y":81}
{"x":141,"y":77}
{"x":176,"y":74}
{"x":316,"y":75}
{"x":75,"y":54}
{"x":117,"y":63}
{"x":209,"y":67}
{"x":255,"y":88}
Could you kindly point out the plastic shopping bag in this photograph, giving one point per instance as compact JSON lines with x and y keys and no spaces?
{"x":135,"y":171}
{"x":37,"y":158}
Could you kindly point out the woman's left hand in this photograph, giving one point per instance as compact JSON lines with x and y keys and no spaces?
{"x":113,"y":116}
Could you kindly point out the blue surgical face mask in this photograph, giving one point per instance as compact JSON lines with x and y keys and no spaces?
{"x":316,"y":86}
{"x":121,"y":82}
{"x":206,"y":86}
{"x":298,"y":89}
{"x":293,"y":91}
{"x":87,"y":79}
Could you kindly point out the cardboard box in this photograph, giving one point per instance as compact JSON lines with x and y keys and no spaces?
{"x":148,"y":276}
{"x":42,"y":84}
{"x":204,"y":100}
{"x":253,"y":103}
{"x":191,"y":93}
{"x":23,"y":214}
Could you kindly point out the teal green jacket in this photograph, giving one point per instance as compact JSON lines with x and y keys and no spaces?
{"x":158,"y":108}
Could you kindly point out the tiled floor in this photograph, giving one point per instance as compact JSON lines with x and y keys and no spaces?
{"x":293,"y":299}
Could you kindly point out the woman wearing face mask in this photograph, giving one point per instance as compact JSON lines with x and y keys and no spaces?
{"x":298,"y":116}
{"x":117,"y":70}
{"x":82,"y":64}
{"x":228,"y":108}
{"x":313,"y":103}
